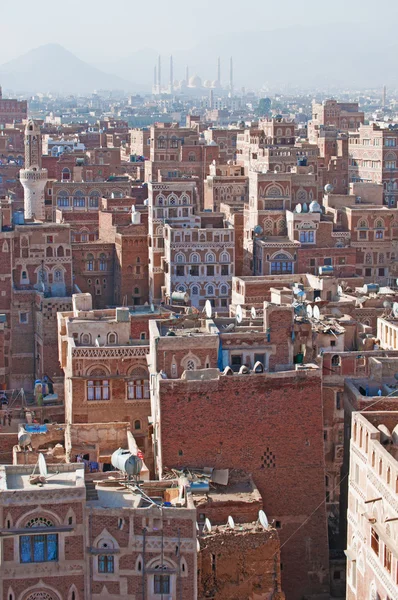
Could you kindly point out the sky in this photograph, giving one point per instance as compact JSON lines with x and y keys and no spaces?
{"x":100,"y":31}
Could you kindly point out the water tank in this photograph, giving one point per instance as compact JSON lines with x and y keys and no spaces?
{"x":24,"y":438}
{"x":180,"y":297}
{"x":371,"y":288}
{"x":122,"y":315}
{"x":124,"y":461}
{"x":135,"y":216}
{"x":19,"y":218}
{"x":200,"y":487}
{"x":326,"y":270}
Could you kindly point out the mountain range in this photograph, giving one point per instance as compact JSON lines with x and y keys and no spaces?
{"x":336,"y":56}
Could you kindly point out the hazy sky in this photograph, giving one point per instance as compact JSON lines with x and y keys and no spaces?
{"x":103,"y":30}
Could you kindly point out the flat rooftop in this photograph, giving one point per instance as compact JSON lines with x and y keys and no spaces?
{"x":18,"y":477}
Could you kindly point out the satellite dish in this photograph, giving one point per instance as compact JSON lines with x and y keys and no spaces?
{"x":208,"y":309}
{"x":239,"y":314}
{"x":231,"y":523}
{"x":395,"y":309}
{"x":197,"y":545}
{"x":309,"y":311}
{"x":299,"y":208}
{"x":197,"y":526}
{"x":316,"y":312}
{"x":262,"y":517}
{"x":42,"y":465}
{"x":253,"y":312}
{"x":387,"y":304}
{"x":207,"y":526}
{"x":339,"y":290}
{"x":318,"y":299}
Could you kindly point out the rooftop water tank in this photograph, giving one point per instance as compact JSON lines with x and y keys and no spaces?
{"x":371,"y":288}
{"x":135,"y":216}
{"x":122,"y":314}
{"x":180,"y":297}
{"x":126,"y":462}
{"x":19,"y":217}
{"x":326,"y":270}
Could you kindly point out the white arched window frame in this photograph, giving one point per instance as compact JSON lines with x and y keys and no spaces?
{"x":210,"y":258}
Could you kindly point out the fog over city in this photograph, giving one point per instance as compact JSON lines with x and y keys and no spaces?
{"x":288,"y":45}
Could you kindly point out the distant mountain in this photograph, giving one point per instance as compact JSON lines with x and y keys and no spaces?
{"x":52,"y":68}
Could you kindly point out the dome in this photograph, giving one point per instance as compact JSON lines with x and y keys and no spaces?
{"x":328,"y":188}
{"x":315,"y":207}
{"x":215,"y":83}
{"x":207,"y":83}
{"x":195,"y":81}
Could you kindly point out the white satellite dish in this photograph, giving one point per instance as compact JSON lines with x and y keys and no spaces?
{"x":42,"y":465}
{"x":253,"y":312}
{"x":316,"y":312}
{"x":262,"y":517}
{"x":309,"y":311}
{"x":207,"y":526}
{"x":239,"y":314}
{"x":395,"y":309}
{"x":208,"y":309}
{"x":231,"y":523}
{"x":197,"y":545}
{"x":318,"y":299}
{"x":197,"y":526}
{"x":339,"y":290}
{"x":299,"y":208}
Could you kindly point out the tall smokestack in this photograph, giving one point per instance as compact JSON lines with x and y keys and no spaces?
{"x":231,"y":76}
{"x":155,"y":79}
{"x":384,"y":96}
{"x":171,"y":74}
{"x":159,"y":74}
{"x":219,"y":70}
{"x":187,"y":74}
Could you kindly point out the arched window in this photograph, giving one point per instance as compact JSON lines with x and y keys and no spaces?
{"x":63,"y":198}
{"x":41,"y":547}
{"x":210,"y":290}
{"x":173,"y":142}
{"x":194,"y":258}
{"x":180,"y":258}
{"x":336,"y":360}
{"x":161,"y":142}
{"x":190,"y":366}
{"x":195,"y":290}
{"x":210,"y":258}
{"x":65,"y":175}
{"x":160,"y":200}
{"x":268,"y":226}
{"x":98,"y":388}
{"x":138,"y":385}
{"x":373,"y":459}
{"x":137,"y":424}
{"x":172,"y":200}
{"x":102,"y":262}
{"x":79,"y":200}
{"x":388,"y":475}
{"x":85,"y":339}
{"x":94,"y":199}
{"x":363,"y":224}
{"x":60,"y":251}
{"x":192,"y":157}
{"x":112,"y":339}
{"x":380,"y":467}
{"x":58,"y":276}
{"x":273,"y":192}
{"x":49,"y":251}
{"x":90,"y":262}
{"x":368,"y":258}
{"x":224,"y":290}
{"x":225,"y":257}
{"x":184,"y":199}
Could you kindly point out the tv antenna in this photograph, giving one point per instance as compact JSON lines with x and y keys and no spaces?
{"x":207,"y":526}
{"x":239,"y":314}
{"x":208,"y":309}
{"x":262,"y":517}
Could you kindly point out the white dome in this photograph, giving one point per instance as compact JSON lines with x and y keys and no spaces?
{"x":207,"y":83}
{"x":195,"y":81}
{"x":315,"y":207}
